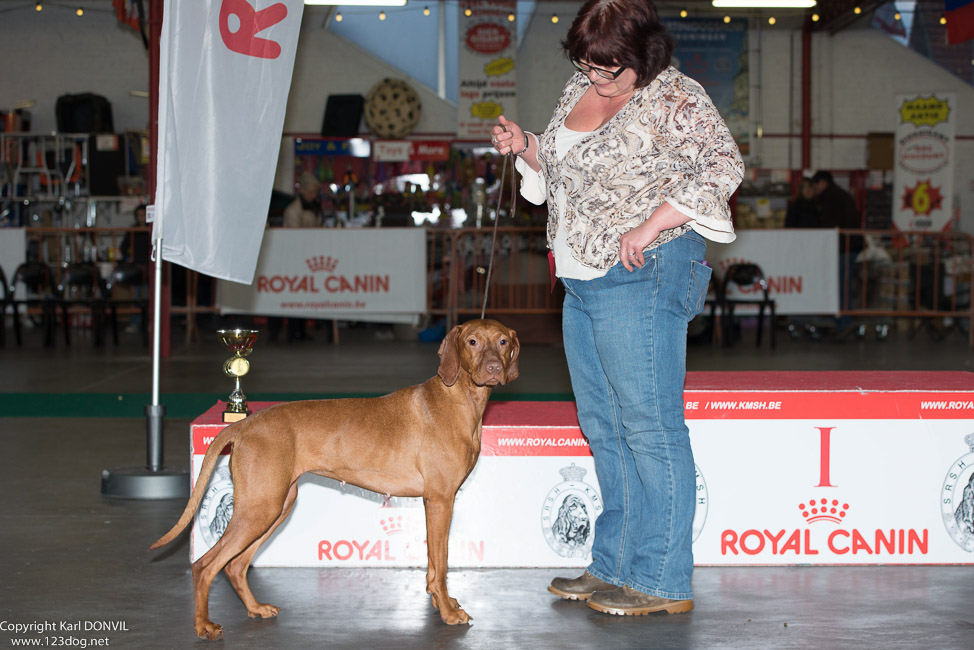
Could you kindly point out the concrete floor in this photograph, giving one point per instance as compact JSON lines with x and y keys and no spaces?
{"x":70,"y":555}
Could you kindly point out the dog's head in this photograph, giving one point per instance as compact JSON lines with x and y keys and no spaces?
{"x":485,"y":349}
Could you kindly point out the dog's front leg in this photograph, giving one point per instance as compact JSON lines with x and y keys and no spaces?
{"x":439,"y":513}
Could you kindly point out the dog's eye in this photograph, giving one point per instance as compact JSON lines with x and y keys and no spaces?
{"x":472,"y":341}
{"x":503,"y":341}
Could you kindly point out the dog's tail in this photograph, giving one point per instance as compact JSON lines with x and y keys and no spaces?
{"x":224,"y":438}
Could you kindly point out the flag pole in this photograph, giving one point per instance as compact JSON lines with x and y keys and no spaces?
{"x":153,"y":480}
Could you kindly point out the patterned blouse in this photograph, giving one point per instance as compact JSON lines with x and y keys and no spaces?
{"x":668,"y":143}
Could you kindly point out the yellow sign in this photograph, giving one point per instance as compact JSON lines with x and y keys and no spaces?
{"x":924,"y":111}
{"x":486,"y":110}
{"x":499,"y":66}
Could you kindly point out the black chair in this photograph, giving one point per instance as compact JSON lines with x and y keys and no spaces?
{"x":37,"y":282}
{"x":128,"y":278}
{"x":80,"y":293}
{"x":751,"y":289}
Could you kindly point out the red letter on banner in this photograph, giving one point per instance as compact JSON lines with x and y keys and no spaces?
{"x":244,"y":39}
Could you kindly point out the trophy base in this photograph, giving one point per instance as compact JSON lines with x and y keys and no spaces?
{"x":234,"y":417}
{"x":143,"y":483}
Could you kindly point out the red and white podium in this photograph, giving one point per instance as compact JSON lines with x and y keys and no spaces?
{"x":792,"y":468}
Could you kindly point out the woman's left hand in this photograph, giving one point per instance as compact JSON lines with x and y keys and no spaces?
{"x":633,"y":243}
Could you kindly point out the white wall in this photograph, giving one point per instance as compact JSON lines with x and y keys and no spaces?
{"x":856,"y":75}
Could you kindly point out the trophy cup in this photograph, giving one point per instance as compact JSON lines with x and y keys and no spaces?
{"x":241,"y":343}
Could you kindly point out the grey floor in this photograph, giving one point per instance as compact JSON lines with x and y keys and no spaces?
{"x":68,"y":555}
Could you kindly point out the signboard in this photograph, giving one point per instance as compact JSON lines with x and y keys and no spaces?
{"x":923,"y":173}
{"x":487,"y":67}
{"x":356,"y":274}
{"x":406,"y":150}
{"x":795,"y":475}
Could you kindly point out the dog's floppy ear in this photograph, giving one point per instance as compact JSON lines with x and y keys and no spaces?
{"x":449,"y":370}
{"x":512,"y":371}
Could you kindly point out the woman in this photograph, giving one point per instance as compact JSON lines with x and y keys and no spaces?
{"x":636,"y":166}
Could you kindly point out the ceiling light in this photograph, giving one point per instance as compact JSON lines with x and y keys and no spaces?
{"x":943,"y":20}
{"x":467,"y":12}
{"x":382,"y":15}
{"x":80,"y":11}
{"x":554,"y":18}
{"x":683,"y":13}
{"x":857,"y":10}
{"x":896,"y":16}
{"x":426,"y":11}
{"x":338,"y":17}
{"x":511,"y":17}
{"x":771,"y":20}
{"x":726,"y":19}
{"x":814,"y":18}
{"x":38,"y":7}
{"x":765,"y":4}
{"x":359,"y":3}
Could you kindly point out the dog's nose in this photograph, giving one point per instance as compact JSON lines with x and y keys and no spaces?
{"x":494,"y":367}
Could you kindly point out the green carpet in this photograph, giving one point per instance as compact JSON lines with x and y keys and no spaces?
{"x":178,"y":405}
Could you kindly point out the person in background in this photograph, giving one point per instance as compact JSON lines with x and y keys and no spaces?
{"x":636,"y":167}
{"x":305,"y":210}
{"x":838,"y":210}
{"x":803,"y":210}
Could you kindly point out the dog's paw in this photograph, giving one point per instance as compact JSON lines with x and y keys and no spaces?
{"x":456,"y":616}
{"x":263,"y":610}
{"x":209,"y":630}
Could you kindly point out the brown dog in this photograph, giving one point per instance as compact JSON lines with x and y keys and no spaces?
{"x":418,"y":441}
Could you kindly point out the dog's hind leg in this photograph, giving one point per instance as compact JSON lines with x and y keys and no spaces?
{"x":250,"y":520}
{"x":236,"y":569}
{"x":439,"y":513}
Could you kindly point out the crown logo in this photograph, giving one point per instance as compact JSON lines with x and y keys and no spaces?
{"x":573,"y":473}
{"x":322,"y":263}
{"x":969,"y":439}
{"x":393,"y":525}
{"x":823,"y":510}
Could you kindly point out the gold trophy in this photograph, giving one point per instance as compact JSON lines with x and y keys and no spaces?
{"x":241,"y":343}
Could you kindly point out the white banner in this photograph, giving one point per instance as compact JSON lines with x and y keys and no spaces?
{"x":923,"y":173}
{"x":487,"y":67}
{"x":795,"y":477}
{"x":368,"y":274}
{"x":224,"y":77}
{"x":801,"y":266}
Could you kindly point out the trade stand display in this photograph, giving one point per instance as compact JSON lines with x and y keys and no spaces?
{"x":793,"y":468}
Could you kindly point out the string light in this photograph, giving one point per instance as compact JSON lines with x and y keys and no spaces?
{"x":426,"y":11}
{"x":511,"y":18}
{"x":814,"y":18}
{"x":80,"y":11}
{"x":554,"y":18}
{"x":857,"y":10}
{"x":683,"y":13}
{"x":771,"y":20}
{"x":382,"y":15}
{"x":943,"y":20}
{"x":467,"y":12}
{"x":38,"y":7}
{"x":726,"y":19}
{"x":896,"y":16}
{"x":338,"y":17}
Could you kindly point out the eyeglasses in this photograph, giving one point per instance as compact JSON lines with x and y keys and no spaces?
{"x":605,"y":74}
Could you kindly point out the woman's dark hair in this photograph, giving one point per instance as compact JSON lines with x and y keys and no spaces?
{"x":621,"y":32}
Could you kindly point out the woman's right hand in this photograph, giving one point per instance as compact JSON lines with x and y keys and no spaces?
{"x":508,"y":137}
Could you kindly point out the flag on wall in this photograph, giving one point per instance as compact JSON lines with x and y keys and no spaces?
{"x":224,"y":75}
{"x":960,"y":20}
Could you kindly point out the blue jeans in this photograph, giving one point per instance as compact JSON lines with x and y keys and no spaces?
{"x":625,"y":339}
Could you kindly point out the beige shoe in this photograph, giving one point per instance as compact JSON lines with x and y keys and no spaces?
{"x":626,"y":601}
{"x":580,"y":588}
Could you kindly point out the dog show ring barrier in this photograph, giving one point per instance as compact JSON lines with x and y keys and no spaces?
{"x":793,"y":468}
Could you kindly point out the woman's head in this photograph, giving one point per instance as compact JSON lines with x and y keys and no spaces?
{"x":626,"y":33}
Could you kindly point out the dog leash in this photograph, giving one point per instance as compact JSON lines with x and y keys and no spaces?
{"x":497,"y":218}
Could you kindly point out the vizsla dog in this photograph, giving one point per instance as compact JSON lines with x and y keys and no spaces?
{"x":423,"y":440}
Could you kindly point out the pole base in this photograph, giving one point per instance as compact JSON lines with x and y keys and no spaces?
{"x":143,"y":483}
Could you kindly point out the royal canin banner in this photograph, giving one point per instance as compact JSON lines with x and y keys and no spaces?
{"x":365,"y":274}
{"x":224,"y":77}
{"x":407,"y":150}
{"x":800,"y":282}
{"x":809,"y":469}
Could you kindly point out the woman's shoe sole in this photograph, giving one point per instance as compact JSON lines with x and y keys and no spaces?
{"x":568,"y":595}
{"x":678,"y":607}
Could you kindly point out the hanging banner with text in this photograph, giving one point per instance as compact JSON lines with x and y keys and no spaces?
{"x":923,"y":178}
{"x":487,"y":67}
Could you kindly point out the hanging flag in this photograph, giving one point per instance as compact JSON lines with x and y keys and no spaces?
{"x":224,"y":75}
{"x":960,"y":20}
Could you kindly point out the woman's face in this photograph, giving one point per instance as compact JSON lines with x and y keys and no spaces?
{"x":624,"y":84}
